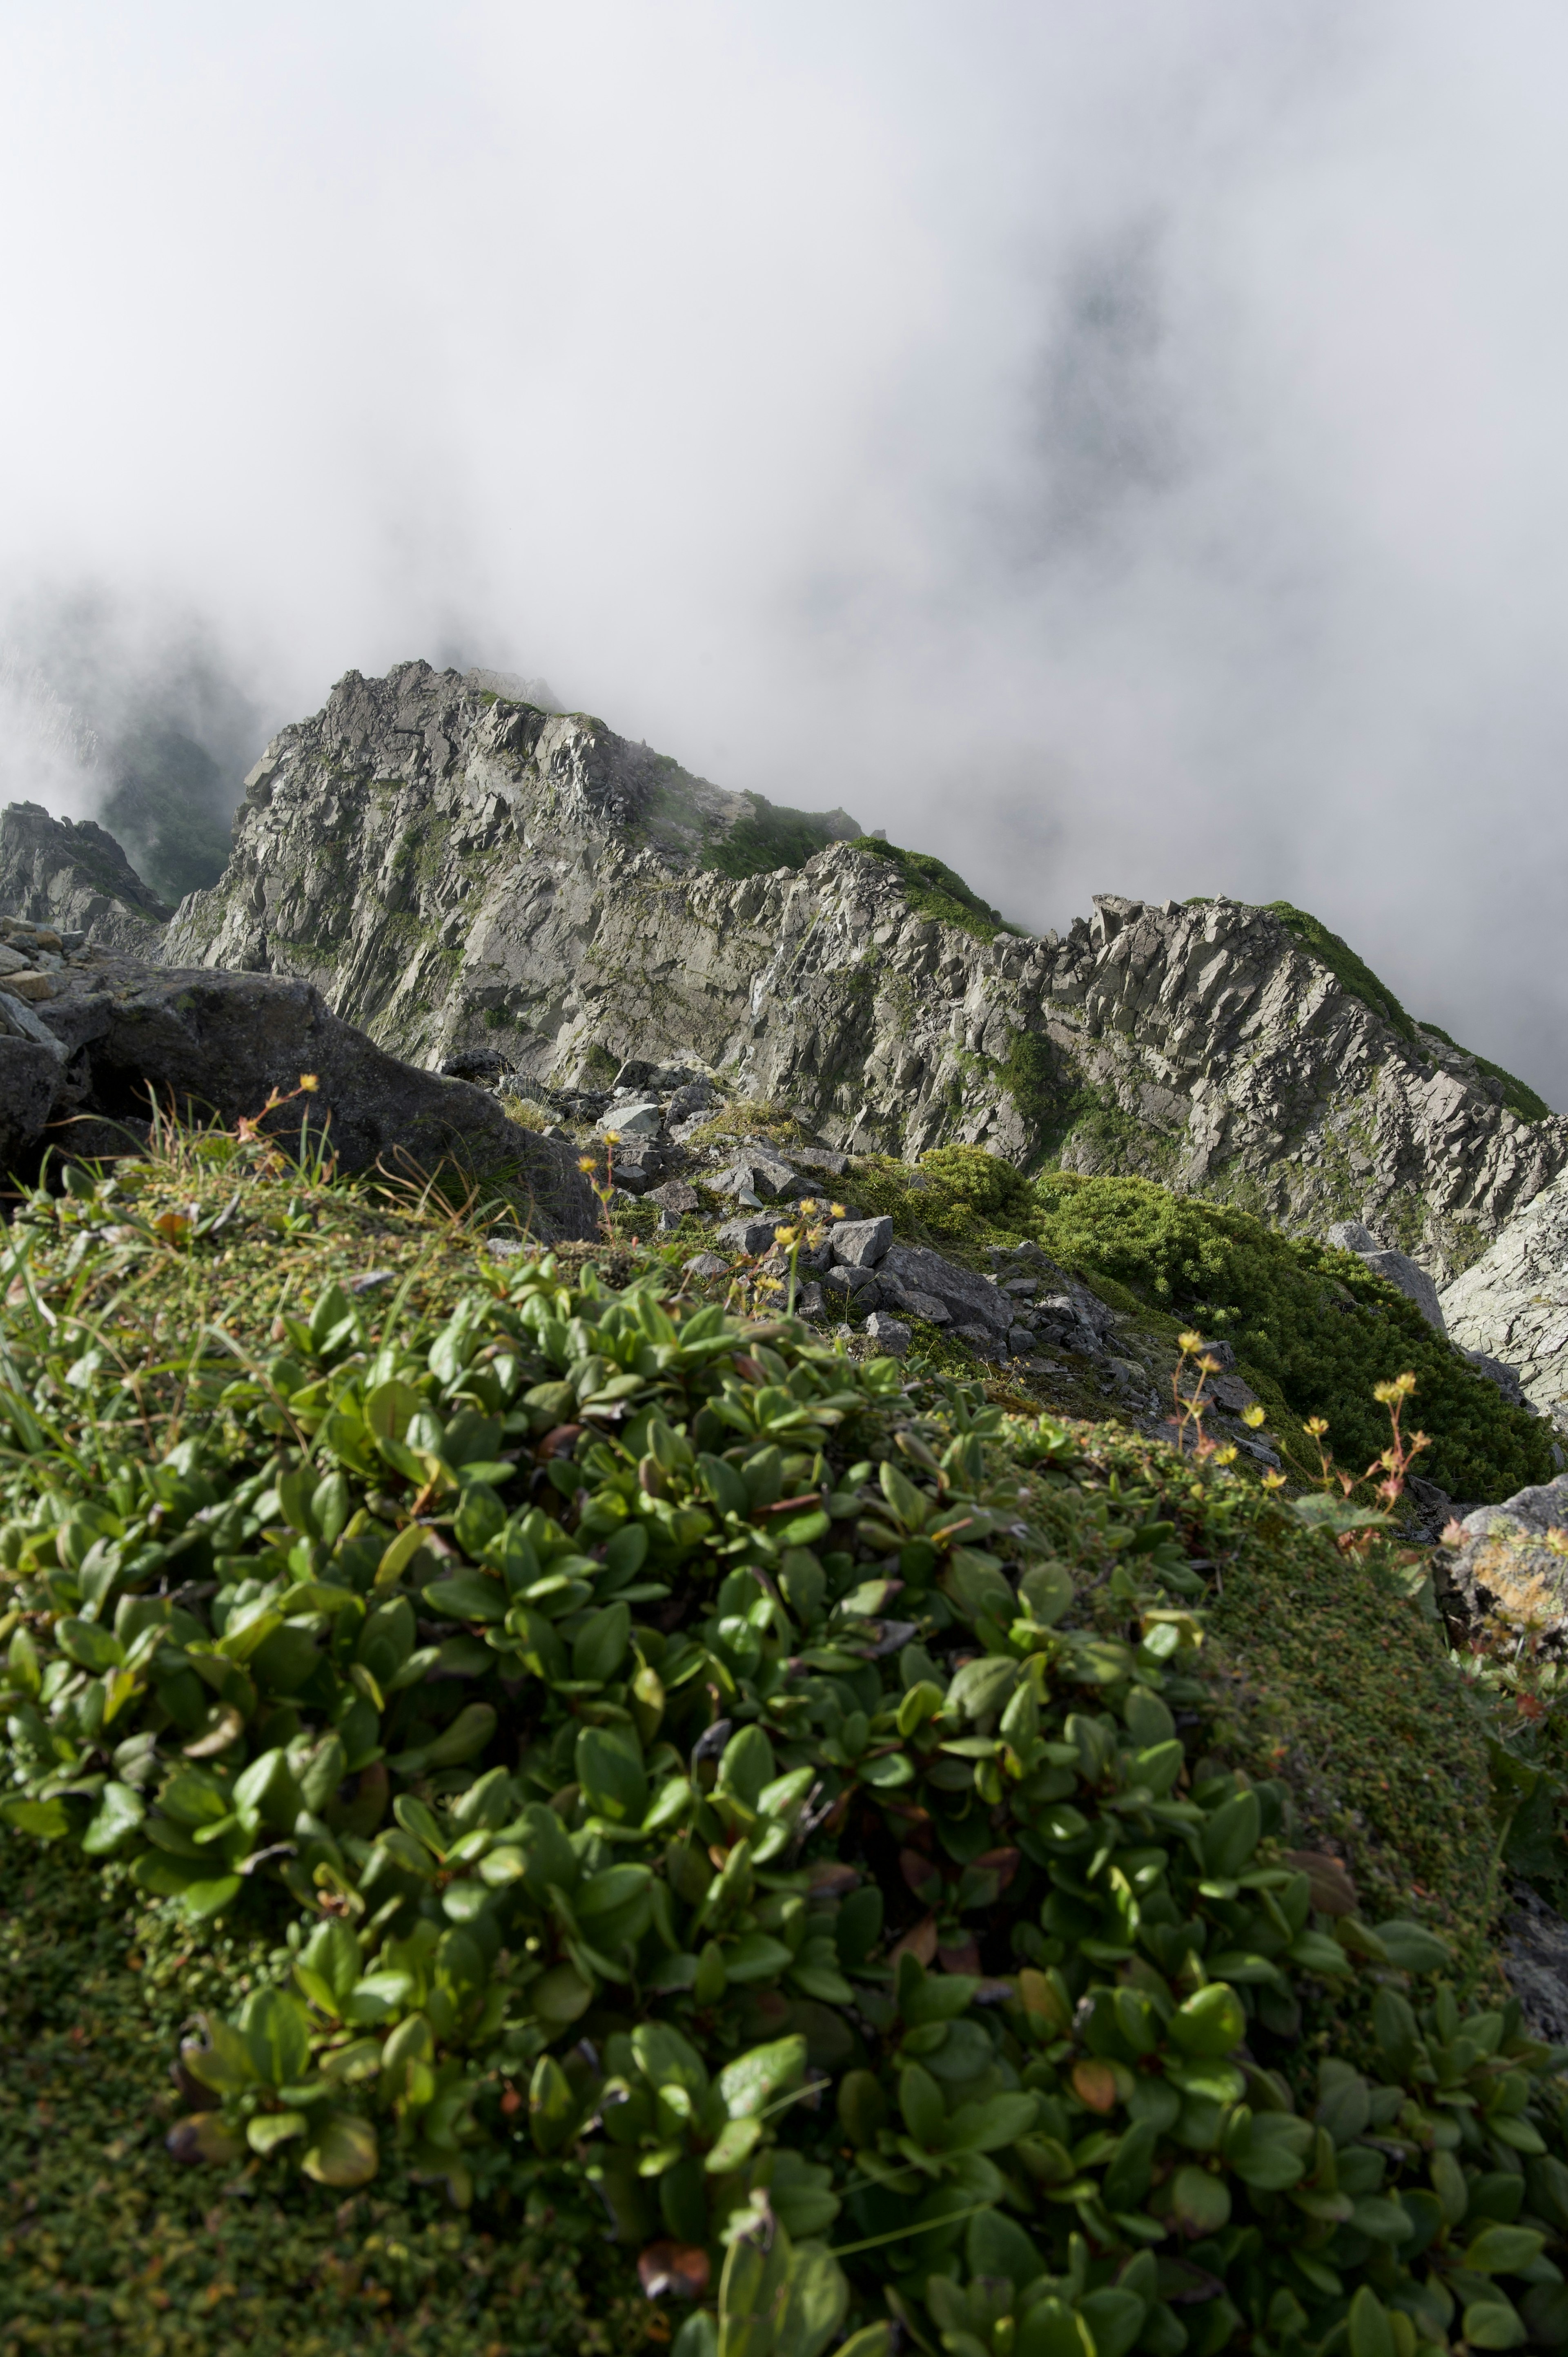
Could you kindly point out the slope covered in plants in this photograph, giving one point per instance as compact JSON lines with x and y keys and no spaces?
{"x":666,"y":1776}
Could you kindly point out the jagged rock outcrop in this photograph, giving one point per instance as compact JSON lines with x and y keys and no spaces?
{"x":77,"y":1065}
{"x":73,"y":874}
{"x":1513,"y":1304}
{"x":455,"y":871}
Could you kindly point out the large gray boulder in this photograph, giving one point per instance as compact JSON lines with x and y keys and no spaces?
{"x":207,"y":1043}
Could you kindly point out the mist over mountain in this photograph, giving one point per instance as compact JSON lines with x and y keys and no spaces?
{"x":1113,"y":451}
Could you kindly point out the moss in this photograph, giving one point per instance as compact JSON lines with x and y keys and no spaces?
{"x":110,"y":2245}
{"x":768,"y":836}
{"x":932,"y":889}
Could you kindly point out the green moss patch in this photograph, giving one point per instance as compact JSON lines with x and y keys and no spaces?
{"x":933,"y":890}
{"x":770,"y":835}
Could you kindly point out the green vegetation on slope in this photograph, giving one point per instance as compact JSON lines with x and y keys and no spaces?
{"x":1518,"y":1095}
{"x":1312,"y":1324}
{"x":491,"y":1680}
{"x":933,"y":890}
{"x":771,"y":836}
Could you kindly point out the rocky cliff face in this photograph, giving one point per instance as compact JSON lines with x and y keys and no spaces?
{"x":459,"y":872}
{"x":74,"y":876}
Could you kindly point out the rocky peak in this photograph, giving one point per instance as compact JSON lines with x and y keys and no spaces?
{"x":461,"y":872}
{"x":73,"y":875}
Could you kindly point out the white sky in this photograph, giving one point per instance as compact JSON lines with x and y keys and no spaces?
{"x":1115,"y":447}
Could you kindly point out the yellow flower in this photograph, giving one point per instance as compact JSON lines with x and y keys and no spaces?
{"x":611,"y":1137}
{"x":1253,"y":1415}
{"x":584,"y":1162}
{"x":1273,"y":1480}
{"x":785,"y":1236}
{"x":1316,"y":1426}
{"x":808,"y":1204}
{"x":1190,"y":1342}
{"x":836,"y":1211}
{"x":1226,"y":1456}
{"x":309,"y":1083}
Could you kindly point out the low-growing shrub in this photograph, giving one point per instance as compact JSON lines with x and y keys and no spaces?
{"x":1314,"y":1321}
{"x":702,"y":1790}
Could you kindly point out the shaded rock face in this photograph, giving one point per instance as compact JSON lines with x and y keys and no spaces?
{"x":457,"y":871}
{"x":76,"y":1068}
{"x":74,"y":876}
{"x":1513,"y":1304}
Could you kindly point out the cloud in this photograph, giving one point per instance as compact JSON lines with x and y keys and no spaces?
{"x":1114,"y":448}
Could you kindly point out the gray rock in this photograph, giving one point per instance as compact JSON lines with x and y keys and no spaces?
{"x":19,"y":1020}
{"x":888,"y":1334}
{"x":811,"y":1303}
{"x":1503,"y":1570}
{"x":645,"y":1120}
{"x":984,"y":1340}
{"x":1020,"y":1340}
{"x":1412,"y":1280}
{"x":705,"y":1264}
{"x":910,"y":1302}
{"x":967,"y":1298}
{"x":761,"y":1176}
{"x":1350,"y":1236}
{"x":214,"y":1043}
{"x":29,"y":1076}
{"x":746,"y":1236}
{"x":849,"y":1279}
{"x":820,"y":1157}
{"x":677,"y":1197}
{"x":1535,"y":1959}
{"x":861,"y":1244}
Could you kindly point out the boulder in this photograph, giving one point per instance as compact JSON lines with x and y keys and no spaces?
{"x":861,"y":1244}
{"x":762,"y":1176}
{"x":746,"y":1236}
{"x":209,"y":1043}
{"x":676,"y":1197}
{"x":888,"y":1334}
{"x":969,"y":1300}
{"x":1508,"y":1565}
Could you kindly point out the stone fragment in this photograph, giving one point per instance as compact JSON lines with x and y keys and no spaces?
{"x":762,"y":1175}
{"x":848,"y":1278}
{"x":968,"y":1298}
{"x":861,"y":1244}
{"x":911,"y":1302}
{"x":674,"y":1195}
{"x":31,"y":984}
{"x":215,"y":1043}
{"x":705,"y":1264}
{"x":746,"y":1236}
{"x":635,"y":1073}
{"x":1350,"y":1236}
{"x":1020,"y":1340}
{"x":811,"y":1303}
{"x":822,"y":1157}
{"x":888,"y":1334}
{"x":645,"y":1120}
{"x":985,"y":1339}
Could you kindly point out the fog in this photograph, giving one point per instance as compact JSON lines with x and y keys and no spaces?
{"x":1116,"y":448}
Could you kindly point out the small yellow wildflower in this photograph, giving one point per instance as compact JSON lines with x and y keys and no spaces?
{"x":309,"y":1082}
{"x":584,"y":1162}
{"x":1253,"y":1417}
{"x":1273,"y":1480}
{"x":1190,"y":1341}
{"x":836,"y":1211}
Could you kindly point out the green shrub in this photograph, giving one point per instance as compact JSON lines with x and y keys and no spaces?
{"x":933,"y":890}
{"x":772,"y":835}
{"x":1314,"y":1321}
{"x":689,"y":1781}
